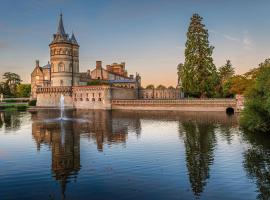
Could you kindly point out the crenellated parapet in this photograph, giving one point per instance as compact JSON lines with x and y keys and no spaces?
{"x":55,"y":89}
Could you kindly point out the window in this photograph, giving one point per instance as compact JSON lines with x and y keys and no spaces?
{"x":93,"y":99}
{"x":99,"y":99}
{"x":70,"y":67}
{"x":61,"y":82}
{"x":61,"y":67}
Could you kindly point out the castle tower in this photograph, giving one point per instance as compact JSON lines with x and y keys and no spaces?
{"x":64,"y":56}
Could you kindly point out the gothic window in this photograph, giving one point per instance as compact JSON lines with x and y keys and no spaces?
{"x":61,"y":67}
{"x":70,"y":67}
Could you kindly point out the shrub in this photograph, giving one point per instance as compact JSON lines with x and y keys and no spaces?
{"x":10,"y":100}
{"x":256,"y":114}
{"x":21,"y":107}
{"x":32,"y":102}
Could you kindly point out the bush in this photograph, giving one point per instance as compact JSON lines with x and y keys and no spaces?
{"x":32,"y":103}
{"x":97,"y":82}
{"x":21,"y":107}
{"x":10,"y":100}
{"x":256,"y":114}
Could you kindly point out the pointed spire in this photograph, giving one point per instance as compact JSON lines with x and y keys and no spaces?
{"x":60,"y":29}
{"x":73,"y":39}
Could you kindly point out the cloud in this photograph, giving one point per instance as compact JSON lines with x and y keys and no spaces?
{"x":226,"y":36}
{"x":247,"y":41}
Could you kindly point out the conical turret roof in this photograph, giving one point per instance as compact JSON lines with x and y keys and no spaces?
{"x":61,"y":29}
{"x":73,"y":39}
{"x":60,"y":35}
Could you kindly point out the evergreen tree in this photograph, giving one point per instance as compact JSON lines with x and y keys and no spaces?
{"x":199,"y":74}
{"x":226,"y":71}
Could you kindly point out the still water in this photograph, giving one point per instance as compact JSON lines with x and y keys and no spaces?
{"x":131,"y":155}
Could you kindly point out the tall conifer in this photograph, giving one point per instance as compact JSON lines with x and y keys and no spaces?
{"x":199,"y":74}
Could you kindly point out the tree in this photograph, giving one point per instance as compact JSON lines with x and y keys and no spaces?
{"x":23,"y":90}
{"x":179,"y":74}
{"x":226,"y":71}
{"x":151,"y":86}
{"x":256,"y":114}
{"x":237,"y":84}
{"x":161,"y":87}
{"x":11,"y":80}
{"x":199,"y":74}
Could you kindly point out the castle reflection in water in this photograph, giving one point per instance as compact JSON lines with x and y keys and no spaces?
{"x":199,"y":134}
{"x":109,"y":127}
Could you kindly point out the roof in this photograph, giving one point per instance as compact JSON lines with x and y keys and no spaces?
{"x":73,"y":39}
{"x":60,"y":29}
{"x":122,"y":81}
{"x":47,"y":66}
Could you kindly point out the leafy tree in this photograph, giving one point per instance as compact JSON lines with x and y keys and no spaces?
{"x":237,"y":84}
{"x":151,"y":86}
{"x":23,"y":90}
{"x":11,"y":80}
{"x":180,"y":73}
{"x":199,"y":74}
{"x":161,"y":87}
{"x":256,"y":114}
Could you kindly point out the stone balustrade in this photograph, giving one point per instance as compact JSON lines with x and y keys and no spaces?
{"x":231,"y":102}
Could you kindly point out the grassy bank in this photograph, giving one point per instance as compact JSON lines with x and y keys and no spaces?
{"x":11,"y":106}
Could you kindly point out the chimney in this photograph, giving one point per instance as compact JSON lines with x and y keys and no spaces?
{"x":98,"y":64}
{"x":37,"y":63}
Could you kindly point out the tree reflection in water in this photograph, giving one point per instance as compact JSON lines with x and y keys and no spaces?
{"x":11,"y":120}
{"x":257,"y":162}
{"x":199,"y":139}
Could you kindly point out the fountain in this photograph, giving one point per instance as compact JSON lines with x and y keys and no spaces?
{"x":62,"y":117}
{"x":62,"y":106}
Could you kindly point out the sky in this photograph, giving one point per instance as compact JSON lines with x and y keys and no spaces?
{"x":149,"y":35}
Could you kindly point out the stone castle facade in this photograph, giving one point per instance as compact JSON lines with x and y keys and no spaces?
{"x":87,"y":90}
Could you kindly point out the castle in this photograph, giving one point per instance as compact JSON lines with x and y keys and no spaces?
{"x":86,"y":90}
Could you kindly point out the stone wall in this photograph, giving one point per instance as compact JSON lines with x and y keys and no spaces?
{"x":124,"y":93}
{"x":50,"y":96}
{"x":208,"y":105}
{"x":160,"y":93}
{"x":92,"y":97}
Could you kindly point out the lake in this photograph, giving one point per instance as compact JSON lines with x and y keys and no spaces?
{"x":131,"y":155}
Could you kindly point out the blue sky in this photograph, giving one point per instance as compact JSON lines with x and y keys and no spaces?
{"x":149,"y":35}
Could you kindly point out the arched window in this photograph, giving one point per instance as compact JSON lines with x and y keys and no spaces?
{"x":61,"y":67}
{"x":70,"y":67}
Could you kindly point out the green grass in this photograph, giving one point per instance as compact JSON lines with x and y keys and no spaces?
{"x":11,"y":107}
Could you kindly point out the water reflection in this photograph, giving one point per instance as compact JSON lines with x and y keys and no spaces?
{"x":106,"y":127}
{"x":10,"y":120}
{"x":64,"y":143}
{"x":257,"y":162}
{"x":200,"y":141}
{"x":199,"y":133}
